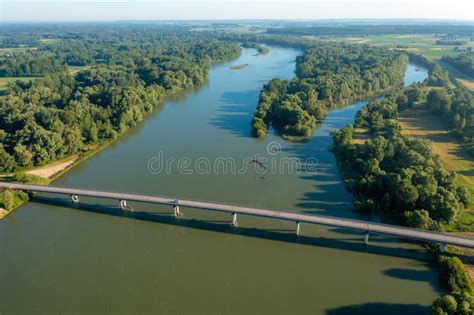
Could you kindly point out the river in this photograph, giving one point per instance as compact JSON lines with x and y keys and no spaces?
{"x":93,"y":258}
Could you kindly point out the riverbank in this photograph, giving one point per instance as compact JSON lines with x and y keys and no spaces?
{"x":48,"y":173}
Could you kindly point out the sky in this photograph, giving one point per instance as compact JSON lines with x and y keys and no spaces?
{"x":108,"y":10}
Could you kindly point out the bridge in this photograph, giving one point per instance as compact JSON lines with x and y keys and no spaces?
{"x":359,"y":225}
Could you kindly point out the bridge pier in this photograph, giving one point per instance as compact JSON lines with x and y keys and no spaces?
{"x":366,"y":238}
{"x":297,"y":228}
{"x":359,"y":225}
{"x":75,"y":198}
{"x":234,"y":219}
{"x":123,"y":204}
{"x":176,"y":212}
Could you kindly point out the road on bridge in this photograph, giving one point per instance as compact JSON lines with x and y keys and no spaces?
{"x":368,"y":227}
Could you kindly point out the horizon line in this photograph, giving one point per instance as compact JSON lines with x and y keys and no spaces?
{"x":241,"y":20}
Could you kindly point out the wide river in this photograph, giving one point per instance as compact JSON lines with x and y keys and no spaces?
{"x":92,"y":258}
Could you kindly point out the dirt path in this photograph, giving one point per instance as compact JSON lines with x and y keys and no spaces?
{"x":50,"y":170}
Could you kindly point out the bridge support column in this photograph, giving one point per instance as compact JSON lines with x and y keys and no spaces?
{"x":123,"y":204}
{"x":75,"y":198}
{"x":297,"y":228}
{"x":442,"y":247}
{"x":176,"y":212}
{"x":366,"y":238}
{"x":234,"y":219}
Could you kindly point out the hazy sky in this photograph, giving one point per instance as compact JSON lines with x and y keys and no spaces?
{"x":107,"y":10}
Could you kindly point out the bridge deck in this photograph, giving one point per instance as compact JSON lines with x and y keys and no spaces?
{"x":360,"y":225}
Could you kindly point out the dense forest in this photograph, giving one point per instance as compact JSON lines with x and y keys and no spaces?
{"x":373,"y":29}
{"x":463,"y":63}
{"x":454,"y":276}
{"x":53,"y":47}
{"x":400,"y":175}
{"x":327,"y":75}
{"x":397,"y":174}
{"x":30,"y":64}
{"x":62,"y":114}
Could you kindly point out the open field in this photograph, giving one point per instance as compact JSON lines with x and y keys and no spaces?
{"x":421,"y":123}
{"x":75,"y":69}
{"x":421,"y":44}
{"x":360,"y":135}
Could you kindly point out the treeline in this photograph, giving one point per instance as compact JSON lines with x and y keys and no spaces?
{"x":394,"y":173}
{"x":460,"y":300}
{"x":453,"y":103}
{"x":450,"y":42}
{"x":327,"y":75}
{"x":52,"y":47}
{"x":60,"y":115}
{"x":456,"y":107}
{"x":278,"y":40}
{"x":463,"y":63}
{"x":367,"y":29}
{"x":261,"y":50}
{"x":11,"y":199}
{"x":31,"y":64}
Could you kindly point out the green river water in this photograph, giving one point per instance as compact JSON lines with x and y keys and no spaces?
{"x":92,"y":258}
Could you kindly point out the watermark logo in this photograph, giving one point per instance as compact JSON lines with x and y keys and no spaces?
{"x":273,"y":162}
{"x":273,"y":148}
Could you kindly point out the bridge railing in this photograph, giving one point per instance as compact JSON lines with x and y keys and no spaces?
{"x":297,"y":217}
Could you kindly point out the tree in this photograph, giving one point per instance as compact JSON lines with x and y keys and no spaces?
{"x":420,"y":219}
{"x":453,"y":273}
{"x":444,"y":305}
{"x":7,"y":162}
{"x":22,"y":155}
{"x":8,"y":199}
{"x":327,"y":75}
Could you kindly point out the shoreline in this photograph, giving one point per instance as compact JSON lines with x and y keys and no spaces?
{"x":78,"y":158}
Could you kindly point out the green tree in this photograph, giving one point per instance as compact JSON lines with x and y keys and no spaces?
{"x":8,"y":200}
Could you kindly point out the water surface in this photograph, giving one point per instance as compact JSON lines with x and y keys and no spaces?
{"x":93,"y":258}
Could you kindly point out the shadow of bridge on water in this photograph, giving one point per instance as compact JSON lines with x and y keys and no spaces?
{"x":281,"y":235}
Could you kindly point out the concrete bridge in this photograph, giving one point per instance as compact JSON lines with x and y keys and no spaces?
{"x":365,"y":226}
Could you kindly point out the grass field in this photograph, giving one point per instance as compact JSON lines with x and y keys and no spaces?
{"x":422,"y":44}
{"x":421,"y":123}
{"x":75,"y":69}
